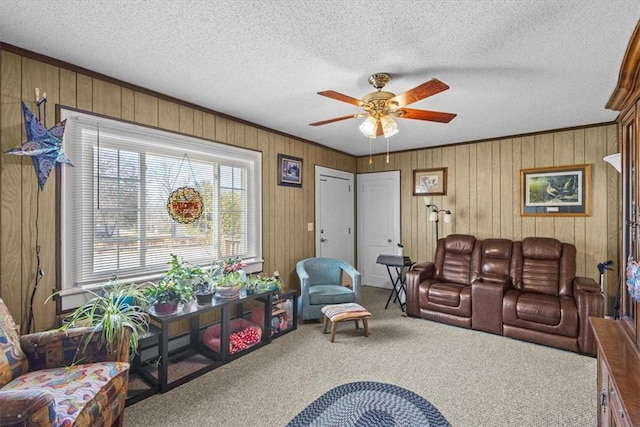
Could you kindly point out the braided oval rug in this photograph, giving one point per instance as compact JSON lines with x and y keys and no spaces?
{"x":369,"y":404}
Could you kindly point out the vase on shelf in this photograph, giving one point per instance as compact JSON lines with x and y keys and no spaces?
{"x":166,"y":308}
{"x":204,"y":297}
{"x":229,"y":292}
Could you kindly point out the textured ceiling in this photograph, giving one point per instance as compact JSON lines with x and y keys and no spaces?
{"x":513,"y":66}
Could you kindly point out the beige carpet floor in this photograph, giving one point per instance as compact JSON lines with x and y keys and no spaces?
{"x":473,"y":378}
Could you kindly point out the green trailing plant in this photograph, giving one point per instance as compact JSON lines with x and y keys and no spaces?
{"x":117,"y":306}
{"x":230,"y":280}
{"x":261,"y":283}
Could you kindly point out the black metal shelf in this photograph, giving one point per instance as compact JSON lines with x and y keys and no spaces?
{"x":175,"y":358}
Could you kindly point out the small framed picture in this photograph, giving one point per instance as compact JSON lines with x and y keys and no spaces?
{"x":555,"y":191}
{"x":289,"y":171}
{"x":430,"y":182}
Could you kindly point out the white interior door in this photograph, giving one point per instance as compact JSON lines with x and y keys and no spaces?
{"x":334,"y":214}
{"x":378,"y":224}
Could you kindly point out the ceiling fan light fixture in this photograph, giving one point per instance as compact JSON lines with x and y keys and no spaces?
{"x":368,"y":127}
{"x":389,"y":127}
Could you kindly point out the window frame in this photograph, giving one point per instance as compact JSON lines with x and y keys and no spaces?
{"x":73,"y":294}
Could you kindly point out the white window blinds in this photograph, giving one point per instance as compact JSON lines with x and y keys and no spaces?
{"x":113,"y":205}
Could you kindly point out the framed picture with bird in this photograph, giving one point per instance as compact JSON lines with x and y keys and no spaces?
{"x":555,"y":191}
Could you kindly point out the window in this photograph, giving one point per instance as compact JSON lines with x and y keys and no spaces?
{"x":113,"y":204}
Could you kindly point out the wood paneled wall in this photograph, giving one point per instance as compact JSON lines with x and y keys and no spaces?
{"x":286,"y":210}
{"x":483,"y":181}
{"x":483,"y":193}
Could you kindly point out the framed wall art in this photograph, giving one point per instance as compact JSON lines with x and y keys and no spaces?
{"x":555,"y":191}
{"x":289,"y":171}
{"x":430,"y":182}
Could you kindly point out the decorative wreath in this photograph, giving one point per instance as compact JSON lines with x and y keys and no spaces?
{"x":185,"y":205}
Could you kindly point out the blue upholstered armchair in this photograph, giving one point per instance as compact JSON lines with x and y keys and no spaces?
{"x":321,"y":284}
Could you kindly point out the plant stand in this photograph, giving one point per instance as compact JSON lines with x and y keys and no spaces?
{"x":170,"y":349}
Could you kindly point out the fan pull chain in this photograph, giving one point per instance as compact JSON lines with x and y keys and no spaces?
{"x":370,"y":159}
{"x":387,"y":150}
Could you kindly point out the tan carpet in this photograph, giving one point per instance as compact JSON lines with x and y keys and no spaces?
{"x":473,"y":378}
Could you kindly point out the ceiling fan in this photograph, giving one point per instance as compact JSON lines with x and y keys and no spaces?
{"x":380,"y":105}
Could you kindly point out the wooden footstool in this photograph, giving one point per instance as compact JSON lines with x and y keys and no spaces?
{"x":336,"y":313}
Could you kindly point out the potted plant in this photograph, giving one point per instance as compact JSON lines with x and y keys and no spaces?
{"x":203,"y":292}
{"x":166,"y":295}
{"x":230,"y":279}
{"x":206,"y":288}
{"x":117,"y":306}
{"x":190,"y":275}
{"x":262,"y":283}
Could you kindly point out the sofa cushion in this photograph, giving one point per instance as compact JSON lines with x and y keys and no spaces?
{"x":450,"y":298}
{"x":497,"y":248}
{"x":540,"y":276}
{"x":457,"y":259}
{"x":330,"y":294}
{"x":541,"y":248}
{"x":538,"y":313}
{"x":82,"y":392}
{"x":539,"y":308}
{"x":13,"y":361}
{"x":496,"y":258}
{"x":459,"y":243}
{"x":445,"y":293}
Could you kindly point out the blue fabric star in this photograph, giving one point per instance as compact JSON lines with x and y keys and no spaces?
{"x":43,"y":145}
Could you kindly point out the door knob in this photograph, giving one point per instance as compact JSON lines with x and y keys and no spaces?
{"x":322,"y":240}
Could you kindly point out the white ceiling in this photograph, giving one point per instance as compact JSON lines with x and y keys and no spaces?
{"x":513,"y":66}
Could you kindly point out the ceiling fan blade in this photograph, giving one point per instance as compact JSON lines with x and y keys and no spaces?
{"x":337,"y":119}
{"x":422,"y":91}
{"x":341,"y":97}
{"x":432,"y":116}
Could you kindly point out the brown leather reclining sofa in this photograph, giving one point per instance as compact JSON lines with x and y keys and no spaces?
{"x":520,"y":289}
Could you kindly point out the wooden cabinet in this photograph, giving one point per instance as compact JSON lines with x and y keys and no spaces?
{"x":618,"y":375}
{"x":618,"y":340}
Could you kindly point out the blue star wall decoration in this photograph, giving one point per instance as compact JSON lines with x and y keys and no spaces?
{"x":43,"y":145}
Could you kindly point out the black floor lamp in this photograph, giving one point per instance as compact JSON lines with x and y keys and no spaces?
{"x":434,"y":215}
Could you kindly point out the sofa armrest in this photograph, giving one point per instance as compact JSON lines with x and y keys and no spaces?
{"x":426,"y":268}
{"x":304,"y":280}
{"x":355,"y":278}
{"x":33,"y":407}
{"x":585,"y":284}
{"x":502,"y":280}
{"x":590,"y":303}
{"x":487,"y":293}
{"x":57,"y":348}
{"x":413,"y":278}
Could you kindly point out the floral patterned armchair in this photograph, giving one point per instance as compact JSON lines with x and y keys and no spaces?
{"x":56,"y":378}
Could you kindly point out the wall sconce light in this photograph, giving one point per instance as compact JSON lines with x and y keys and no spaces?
{"x":615,"y":161}
{"x":434,"y":215}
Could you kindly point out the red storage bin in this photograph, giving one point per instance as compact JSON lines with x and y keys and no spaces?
{"x":244,"y":334}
